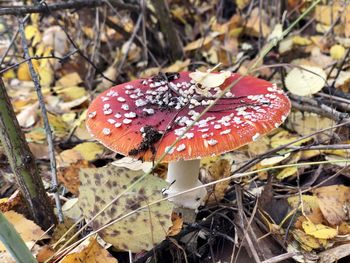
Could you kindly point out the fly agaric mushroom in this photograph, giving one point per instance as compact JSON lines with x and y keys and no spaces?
{"x":142,"y":118}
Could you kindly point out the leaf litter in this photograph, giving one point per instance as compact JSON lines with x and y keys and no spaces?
{"x":315,"y":219}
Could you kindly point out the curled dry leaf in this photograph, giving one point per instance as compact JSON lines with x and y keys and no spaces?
{"x":333,"y":201}
{"x":318,"y":230}
{"x":138,"y":231}
{"x":305,"y":81}
{"x":209,"y":80}
{"x":307,"y":242}
{"x":27,"y":117}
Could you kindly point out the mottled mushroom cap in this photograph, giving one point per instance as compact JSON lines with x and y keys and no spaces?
{"x":142,"y":118}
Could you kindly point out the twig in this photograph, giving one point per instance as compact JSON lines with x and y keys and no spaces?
{"x":129,"y":42}
{"x":47,"y":127}
{"x":320,"y":147}
{"x":77,"y":4}
{"x":8,"y":48}
{"x":61,"y":59}
{"x":280,"y":258}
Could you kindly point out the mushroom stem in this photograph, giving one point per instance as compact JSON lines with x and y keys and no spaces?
{"x":183,"y":175}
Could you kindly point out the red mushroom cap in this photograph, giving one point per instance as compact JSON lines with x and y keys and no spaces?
{"x":142,"y":118}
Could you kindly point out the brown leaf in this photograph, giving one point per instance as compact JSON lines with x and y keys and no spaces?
{"x":333,"y":201}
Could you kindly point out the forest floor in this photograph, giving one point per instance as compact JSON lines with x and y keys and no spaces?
{"x":284,"y":197}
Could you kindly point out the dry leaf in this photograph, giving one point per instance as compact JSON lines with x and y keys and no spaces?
{"x":305,"y":81}
{"x":68,"y":80}
{"x":69,"y":175}
{"x":218,"y":170}
{"x":337,"y":52}
{"x":319,"y":231}
{"x":209,"y":80}
{"x":308,"y":242}
{"x":287,"y":172}
{"x":90,"y":251}
{"x":136,"y":232}
{"x":89,"y":150}
{"x":27,"y":229}
{"x":333,"y":201}
{"x":27,"y":117}
{"x":177,"y":225}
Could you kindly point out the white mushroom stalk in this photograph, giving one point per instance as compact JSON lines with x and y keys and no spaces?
{"x":182,"y":176}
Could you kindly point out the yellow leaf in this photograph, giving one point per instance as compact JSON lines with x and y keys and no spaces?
{"x":301,"y":41}
{"x":137,"y":232}
{"x":255,"y":23}
{"x":70,"y":93}
{"x":308,"y":242}
{"x":90,"y":251}
{"x":309,"y":203}
{"x":9,"y":74}
{"x":32,"y":32}
{"x":209,"y":80}
{"x":337,"y":52}
{"x":27,"y":229}
{"x":71,"y":79}
{"x":89,"y":150}
{"x":267,"y":162}
{"x":179,"y":65}
{"x":58,"y":126}
{"x":46,"y":75}
{"x":242,"y":3}
{"x":305,"y":81}
{"x":319,"y":230}
{"x":287,"y":172}
{"x":23,"y":72}
{"x":201,"y":42}
{"x":69,"y":117}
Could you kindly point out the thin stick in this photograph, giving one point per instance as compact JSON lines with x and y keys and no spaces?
{"x":76,"y":4}
{"x":47,"y":127}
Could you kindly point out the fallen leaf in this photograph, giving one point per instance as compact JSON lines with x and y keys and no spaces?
{"x":89,"y":150}
{"x":287,"y":172}
{"x":333,"y":201}
{"x":256,"y":23}
{"x":69,"y":80}
{"x":209,"y":80}
{"x":72,"y":210}
{"x":218,"y":170}
{"x":337,"y":52}
{"x":133,"y":164}
{"x":27,"y":117}
{"x":136,"y":232}
{"x":305,"y":81}
{"x":27,"y":229}
{"x":318,"y":230}
{"x":89,"y":251}
{"x":177,"y":225}
{"x":301,"y":41}
{"x":308,"y":242}
{"x":69,"y":175}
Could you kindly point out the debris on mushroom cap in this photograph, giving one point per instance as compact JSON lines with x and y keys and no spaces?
{"x":159,"y":109}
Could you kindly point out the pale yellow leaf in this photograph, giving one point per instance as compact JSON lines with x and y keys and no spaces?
{"x":27,"y":229}
{"x":305,"y":81}
{"x":89,"y":150}
{"x":209,"y":80}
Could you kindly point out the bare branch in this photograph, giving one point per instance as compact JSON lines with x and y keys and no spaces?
{"x":77,"y":4}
